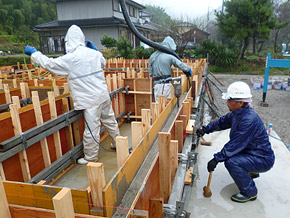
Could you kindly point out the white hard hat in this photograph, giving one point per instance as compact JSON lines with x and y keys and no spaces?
{"x":237,"y":90}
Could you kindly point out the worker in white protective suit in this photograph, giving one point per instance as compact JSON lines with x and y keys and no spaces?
{"x":160,"y":68}
{"x":83,"y":67}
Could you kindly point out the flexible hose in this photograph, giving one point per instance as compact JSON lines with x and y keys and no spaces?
{"x":140,"y":36}
{"x":145,"y":40}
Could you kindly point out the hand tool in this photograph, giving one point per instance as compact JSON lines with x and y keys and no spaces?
{"x":206,"y":190}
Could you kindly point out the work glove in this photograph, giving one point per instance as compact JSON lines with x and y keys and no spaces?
{"x":200,"y":132}
{"x":211,"y":165}
{"x":190,"y":72}
{"x":29,"y":50}
{"x":91,"y":45}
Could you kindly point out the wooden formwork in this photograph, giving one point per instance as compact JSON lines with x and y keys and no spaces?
{"x":42,"y":199}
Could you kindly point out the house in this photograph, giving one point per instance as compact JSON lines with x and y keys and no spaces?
{"x":96,"y":18}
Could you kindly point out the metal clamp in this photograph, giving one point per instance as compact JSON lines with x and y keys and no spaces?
{"x":66,"y":119}
{"x":24,"y":140}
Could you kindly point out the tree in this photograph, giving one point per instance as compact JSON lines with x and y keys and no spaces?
{"x":160,"y":17}
{"x":108,"y":41}
{"x":283,"y":21}
{"x":246,"y":20}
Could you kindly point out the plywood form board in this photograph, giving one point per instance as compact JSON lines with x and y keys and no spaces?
{"x":117,"y":186}
{"x":35,"y":160}
{"x":150,"y":189}
{"x":40,"y":196}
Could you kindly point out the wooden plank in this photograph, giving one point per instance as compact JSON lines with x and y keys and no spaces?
{"x":185,"y":110}
{"x":23,"y":90}
{"x":138,"y":214}
{"x":4,"y":208}
{"x":156,"y":207}
{"x":178,"y":126}
{"x":7,"y":93}
{"x":17,"y":131}
{"x":155,"y":108}
{"x":63,"y":205}
{"x":15,"y":100}
{"x":97,"y":181}
{"x":116,"y":100}
{"x":145,"y":113}
{"x":39,"y":121}
{"x":117,"y":186}
{"x":173,"y":158}
{"x":189,"y":127}
{"x":53,"y":114}
{"x":68,"y":129}
{"x":136,"y":133}
{"x":164,"y":165}
{"x":122,"y":148}
{"x":18,"y":211}
{"x":188,"y":176}
{"x":161,"y":99}
{"x":121,"y":95}
{"x":2,"y":173}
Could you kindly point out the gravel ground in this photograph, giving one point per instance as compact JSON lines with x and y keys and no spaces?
{"x":277,"y":113}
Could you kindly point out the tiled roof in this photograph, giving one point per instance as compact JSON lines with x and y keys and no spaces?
{"x":64,"y":24}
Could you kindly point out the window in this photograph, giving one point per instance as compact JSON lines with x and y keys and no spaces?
{"x":117,"y":6}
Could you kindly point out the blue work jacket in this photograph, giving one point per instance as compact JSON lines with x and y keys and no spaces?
{"x":248,"y":135}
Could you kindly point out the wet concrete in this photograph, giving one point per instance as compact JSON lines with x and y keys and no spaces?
{"x":273,"y":186}
{"x":77,"y":178}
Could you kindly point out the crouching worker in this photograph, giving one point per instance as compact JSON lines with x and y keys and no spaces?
{"x":248,"y":151}
{"x":82,"y":64}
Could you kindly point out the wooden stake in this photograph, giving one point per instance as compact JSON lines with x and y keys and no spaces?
{"x":97,"y":181}
{"x":122,"y":147}
{"x":156,"y":207}
{"x":137,"y":133}
{"x":4,"y":207}
{"x":17,"y":131}
{"x":155,"y":107}
{"x":173,"y":158}
{"x":63,"y":204}
{"x":68,"y":129}
{"x":161,"y":99}
{"x":145,"y":114}
{"x":164,"y":165}
{"x":39,"y":121}
{"x":116,"y":100}
{"x":7,"y":93}
{"x":53,"y":114}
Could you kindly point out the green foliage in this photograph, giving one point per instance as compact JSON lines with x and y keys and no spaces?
{"x":108,"y":41}
{"x":245,"y":20}
{"x":124,"y":47}
{"x":218,"y":55}
{"x":110,"y":53}
{"x":12,"y":60}
{"x":19,"y":17}
{"x":159,"y":15}
{"x":140,"y":53}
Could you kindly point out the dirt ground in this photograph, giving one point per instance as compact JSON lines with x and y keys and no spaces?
{"x":277,"y":113}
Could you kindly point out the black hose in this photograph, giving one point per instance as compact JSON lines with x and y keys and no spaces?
{"x":140,"y":36}
{"x":148,"y":41}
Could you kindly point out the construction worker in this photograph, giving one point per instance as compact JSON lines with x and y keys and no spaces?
{"x":160,"y":68}
{"x":82,"y":64}
{"x":248,"y":152}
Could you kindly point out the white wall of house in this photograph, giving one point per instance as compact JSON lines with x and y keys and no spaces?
{"x":96,"y":34}
{"x":85,"y":9}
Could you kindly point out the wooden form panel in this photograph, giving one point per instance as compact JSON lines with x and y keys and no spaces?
{"x":11,"y":166}
{"x":40,"y":196}
{"x":115,"y":189}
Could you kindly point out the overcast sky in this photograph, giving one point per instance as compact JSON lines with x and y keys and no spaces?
{"x":186,"y":8}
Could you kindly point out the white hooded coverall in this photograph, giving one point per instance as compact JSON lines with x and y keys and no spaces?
{"x":83,"y":68}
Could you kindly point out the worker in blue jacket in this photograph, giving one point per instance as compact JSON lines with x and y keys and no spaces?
{"x":248,"y":151}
